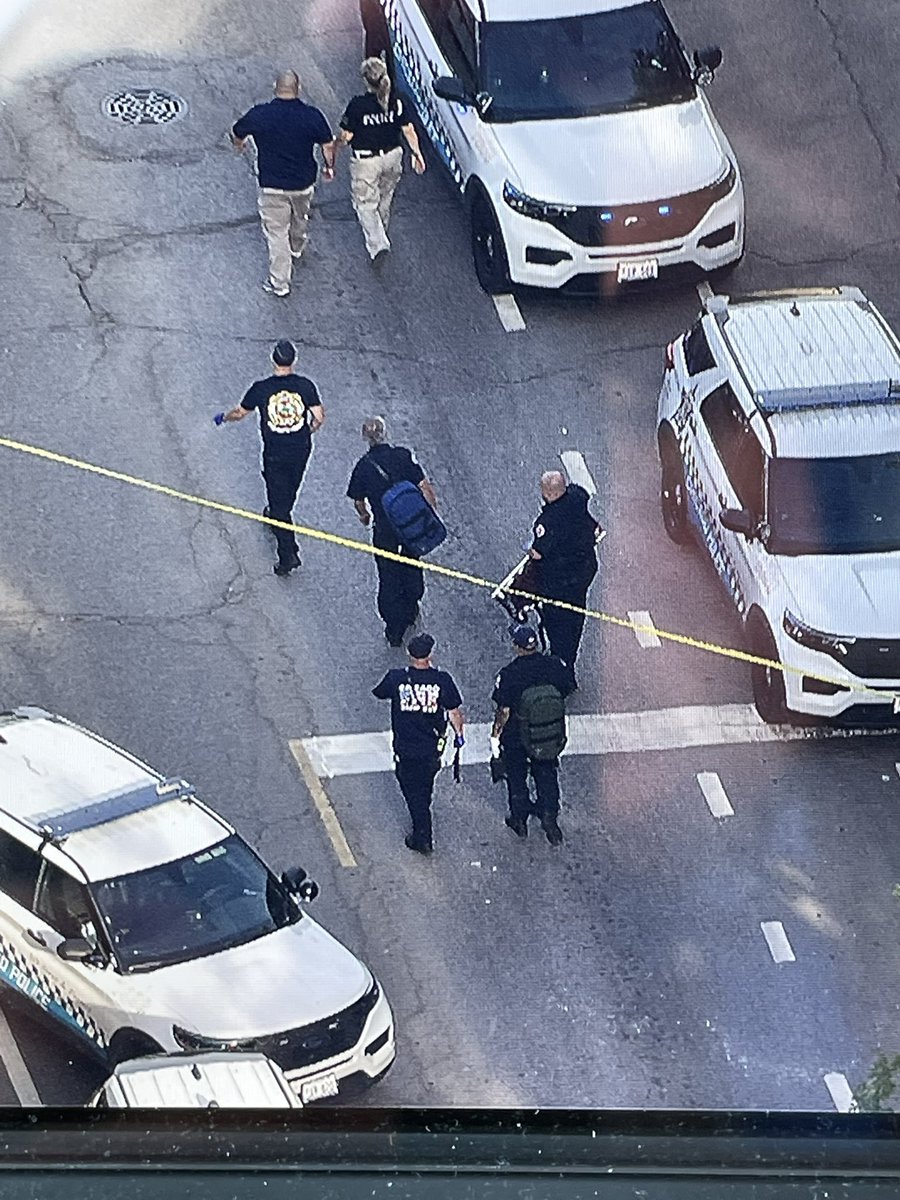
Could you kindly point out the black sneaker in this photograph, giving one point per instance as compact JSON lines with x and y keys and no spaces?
{"x":395,"y":643}
{"x":553,"y":831}
{"x":419,"y":847}
{"x":518,"y":826}
{"x":285,"y":568}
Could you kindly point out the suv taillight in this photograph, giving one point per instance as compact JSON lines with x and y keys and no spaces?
{"x":670,"y":356}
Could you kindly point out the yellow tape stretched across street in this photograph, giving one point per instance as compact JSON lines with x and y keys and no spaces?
{"x":478,"y":581}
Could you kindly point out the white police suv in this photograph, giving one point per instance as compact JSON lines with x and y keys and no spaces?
{"x":138,"y":918}
{"x":578,"y":132}
{"x":779,"y":446}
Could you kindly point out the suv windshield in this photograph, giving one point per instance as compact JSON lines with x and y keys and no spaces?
{"x":198,"y":905}
{"x":581,"y":66}
{"x":835,"y":505}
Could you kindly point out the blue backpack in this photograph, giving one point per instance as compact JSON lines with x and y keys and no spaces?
{"x":416,"y":525}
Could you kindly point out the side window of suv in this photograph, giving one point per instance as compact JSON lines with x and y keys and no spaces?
{"x":63,"y":902}
{"x":457,"y":42}
{"x":435,"y":13}
{"x":19,"y":869}
{"x":736,"y":445}
{"x":697,"y":354}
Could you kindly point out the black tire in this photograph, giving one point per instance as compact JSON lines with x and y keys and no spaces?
{"x":673,"y":500}
{"x":488,"y":247}
{"x":130,"y":1043}
{"x":768,"y":682}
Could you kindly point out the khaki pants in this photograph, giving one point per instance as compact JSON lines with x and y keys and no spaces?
{"x":284,"y":217}
{"x":373,"y":182}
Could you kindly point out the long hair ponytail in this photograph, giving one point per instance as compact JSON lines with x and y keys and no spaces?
{"x":375,"y":74}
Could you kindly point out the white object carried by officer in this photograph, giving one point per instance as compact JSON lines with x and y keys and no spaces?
{"x":578,"y":132}
{"x":197,"y":1081}
{"x":138,"y":919}
{"x":779,"y":446}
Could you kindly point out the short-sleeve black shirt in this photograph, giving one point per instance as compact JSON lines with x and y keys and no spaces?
{"x":285,"y":133}
{"x":371,"y":126}
{"x":525,"y":671}
{"x":366,"y":483}
{"x":420,"y":700}
{"x":283,"y":402}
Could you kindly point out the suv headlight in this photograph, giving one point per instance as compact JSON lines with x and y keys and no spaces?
{"x":538,"y":210}
{"x":196,"y":1042}
{"x":814,"y":639}
{"x":725,"y":180}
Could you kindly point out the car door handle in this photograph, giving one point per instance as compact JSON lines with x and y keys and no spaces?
{"x":35,"y":935}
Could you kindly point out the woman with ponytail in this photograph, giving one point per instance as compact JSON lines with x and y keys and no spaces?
{"x":374,"y":126}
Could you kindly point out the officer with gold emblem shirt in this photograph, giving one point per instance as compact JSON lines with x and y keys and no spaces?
{"x":290,"y":412}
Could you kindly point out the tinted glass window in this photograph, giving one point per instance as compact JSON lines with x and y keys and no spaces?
{"x":63,"y":902}
{"x":835,"y":505}
{"x":224,"y":896}
{"x":19,"y":869}
{"x":578,"y":66}
{"x":435,"y":12}
{"x":457,"y":43}
{"x":736,"y":445}
{"x":697,"y":354}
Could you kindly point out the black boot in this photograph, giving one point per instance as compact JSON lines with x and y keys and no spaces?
{"x":552,"y":830}
{"x":518,"y":825}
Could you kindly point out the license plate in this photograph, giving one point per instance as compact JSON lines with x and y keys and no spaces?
{"x":645,"y":268}
{"x":319,"y":1089}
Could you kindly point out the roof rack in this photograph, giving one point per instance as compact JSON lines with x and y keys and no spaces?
{"x":846,"y":394}
{"x":57,"y":826}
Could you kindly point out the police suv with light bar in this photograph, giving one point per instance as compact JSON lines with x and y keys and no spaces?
{"x":779,"y":446}
{"x":577,"y":130}
{"x":138,"y":919}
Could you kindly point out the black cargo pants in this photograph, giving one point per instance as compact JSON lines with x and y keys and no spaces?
{"x":546,"y":783}
{"x":400,"y":586}
{"x":416,"y":779}
{"x":283,"y":478}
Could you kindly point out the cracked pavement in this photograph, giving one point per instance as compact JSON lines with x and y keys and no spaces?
{"x":131,"y":267}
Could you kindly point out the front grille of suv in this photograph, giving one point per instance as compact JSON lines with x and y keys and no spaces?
{"x":635,"y":224}
{"x":872,"y":658}
{"x":322,"y":1040}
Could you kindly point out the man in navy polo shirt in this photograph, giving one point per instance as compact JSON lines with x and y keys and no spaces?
{"x":286,"y":131}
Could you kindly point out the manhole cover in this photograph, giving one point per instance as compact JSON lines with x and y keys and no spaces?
{"x":144,"y":106}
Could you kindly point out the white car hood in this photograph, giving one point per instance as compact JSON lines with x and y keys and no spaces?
{"x":851,"y":594}
{"x":286,"y":979}
{"x":621,"y":158}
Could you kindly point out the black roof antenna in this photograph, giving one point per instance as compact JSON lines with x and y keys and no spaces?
{"x":794,"y":310}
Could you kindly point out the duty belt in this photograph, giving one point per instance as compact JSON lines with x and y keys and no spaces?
{"x":373,"y":153}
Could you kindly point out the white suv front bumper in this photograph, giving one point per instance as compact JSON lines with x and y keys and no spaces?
{"x":524,"y":236}
{"x":800,"y":687}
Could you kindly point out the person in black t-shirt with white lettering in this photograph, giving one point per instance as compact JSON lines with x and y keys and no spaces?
{"x":290,"y":412}
{"x":423,"y":699}
{"x":373,"y":125}
{"x":400,"y":585}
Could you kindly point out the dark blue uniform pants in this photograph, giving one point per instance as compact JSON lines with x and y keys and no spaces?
{"x":564,"y":628}
{"x":546,"y":783}
{"x":283,"y":479}
{"x":416,"y":778}
{"x":400,"y":587}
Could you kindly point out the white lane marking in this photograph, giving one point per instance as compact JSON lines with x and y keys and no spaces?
{"x":19,"y":1075}
{"x":323,"y":804}
{"x":704,"y":290}
{"x":577,"y":470}
{"x":777,"y":941}
{"x":714,"y":794}
{"x":645,"y":630}
{"x":509,"y":313}
{"x":591,"y":734}
{"x":840,"y":1091}
{"x":897,"y":768}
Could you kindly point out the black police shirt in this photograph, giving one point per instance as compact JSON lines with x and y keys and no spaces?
{"x":285,"y":133}
{"x":525,"y":671}
{"x":284,"y":402}
{"x":419,"y":703}
{"x":565,"y":536}
{"x":371,"y":126}
{"x":366,"y":483}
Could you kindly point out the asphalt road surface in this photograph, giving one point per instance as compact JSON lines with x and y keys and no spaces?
{"x":719,"y":928}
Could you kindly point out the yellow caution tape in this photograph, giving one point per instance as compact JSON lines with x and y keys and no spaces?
{"x":478,"y":581}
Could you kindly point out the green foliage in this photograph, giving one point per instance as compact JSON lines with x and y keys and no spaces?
{"x":877,"y":1092}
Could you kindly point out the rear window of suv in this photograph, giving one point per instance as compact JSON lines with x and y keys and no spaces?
{"x":697,"y":354}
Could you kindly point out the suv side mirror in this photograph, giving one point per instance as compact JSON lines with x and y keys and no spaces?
{"x":448,"y":87}
{"x":76,"y":950}
{"x":738,"y":520}
{"x":706,"y":62}
{"x":298,"y":885}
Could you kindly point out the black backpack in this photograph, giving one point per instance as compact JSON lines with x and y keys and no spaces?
{"x":542,"y":721}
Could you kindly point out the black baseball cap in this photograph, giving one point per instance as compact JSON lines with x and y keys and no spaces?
{"x":420,"y":646}
{"x":284,"y":353}
{"x":524,"y":637}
